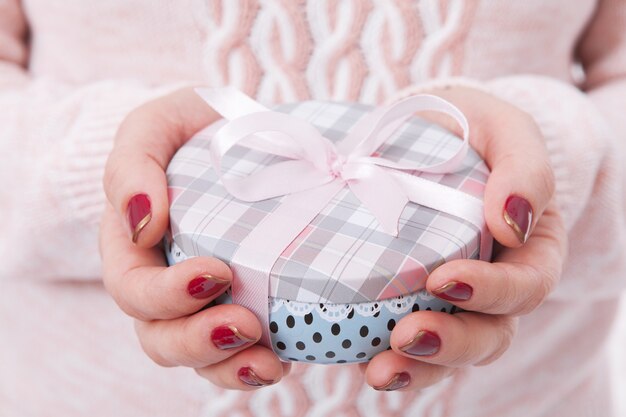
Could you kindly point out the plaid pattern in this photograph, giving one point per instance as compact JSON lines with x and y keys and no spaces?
{"x":341,"y":256}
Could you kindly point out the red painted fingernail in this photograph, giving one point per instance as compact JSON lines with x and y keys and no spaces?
{"x":398,"y":381}
{"x":206,"y":286}
{"x":518,"y":214}
{"x":139,"y":214}
{"x":454,"y":291}
{"x":424,"y":343}
{"x":228,"y":337}
{"x":248,"y":377}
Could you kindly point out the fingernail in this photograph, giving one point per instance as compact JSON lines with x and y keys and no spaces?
{"x":248,"y":377}
{"x":205,"y":286}
{"x":398,"y":381}
{"x":454,"y":291}
{"x":518,"y":214}
{"x":139,"y":214}
{"x":228,"y":337}
{"x":423,"y":344}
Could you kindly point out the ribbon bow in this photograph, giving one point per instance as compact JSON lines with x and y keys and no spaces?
{"x":316,"y":169}
{"x":314,"y":161}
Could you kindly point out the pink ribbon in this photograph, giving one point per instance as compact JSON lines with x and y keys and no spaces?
{"x":316,"y":170}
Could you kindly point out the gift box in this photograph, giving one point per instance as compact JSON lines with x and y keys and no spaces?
{"x":331,"y":216}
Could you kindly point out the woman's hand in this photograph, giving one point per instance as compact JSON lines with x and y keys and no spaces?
{"x":167,"y":302}
{"x":522,"y":216}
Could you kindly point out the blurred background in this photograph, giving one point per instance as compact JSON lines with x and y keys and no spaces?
{"x":617,"y":346}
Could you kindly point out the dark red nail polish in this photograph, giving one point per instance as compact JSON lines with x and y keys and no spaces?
{"x":206,"y":286}
{"x":248,"y":377}
{"x":518,"y":214}
{"x":398,"y":381}
{"x":139,"y":214}
{"x":228,"y":337}
{"x":454,"y":291}
{"x":424,"y":343}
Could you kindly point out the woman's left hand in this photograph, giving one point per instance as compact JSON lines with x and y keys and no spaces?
{"x":428,"y":346}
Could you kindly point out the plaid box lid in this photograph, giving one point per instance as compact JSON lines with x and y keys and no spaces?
{"x":342,"y":256}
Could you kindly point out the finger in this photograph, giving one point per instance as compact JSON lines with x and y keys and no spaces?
{"x":202,"y":339}
{"x":134,"y":179}
{"x":519,"y":280}
{"x":389,"y":371}
{"x":521,"y":182}
{"x":453,"y":340}
{"x":254,"y":368}
{"x":145,"y":288}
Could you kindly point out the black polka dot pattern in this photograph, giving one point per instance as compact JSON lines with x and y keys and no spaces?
{"x":364,"y":331}
{"x":355,"y":339}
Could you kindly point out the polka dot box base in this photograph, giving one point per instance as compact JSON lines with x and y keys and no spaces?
{"x":335,"y":334}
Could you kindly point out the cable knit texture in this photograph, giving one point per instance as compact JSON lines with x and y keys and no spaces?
{"x":70,"y":72}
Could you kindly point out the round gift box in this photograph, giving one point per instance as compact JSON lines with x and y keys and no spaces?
{"x":338,"y":290}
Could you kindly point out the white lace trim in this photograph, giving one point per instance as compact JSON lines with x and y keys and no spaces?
{"x":337,"y":312}
{"x":294,"y":307}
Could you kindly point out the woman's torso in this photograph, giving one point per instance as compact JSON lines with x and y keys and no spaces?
{"x":279,"y":50}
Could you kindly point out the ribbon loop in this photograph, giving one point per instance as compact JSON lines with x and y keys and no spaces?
{"x":307,"y":170}
{"x":383,"y":123}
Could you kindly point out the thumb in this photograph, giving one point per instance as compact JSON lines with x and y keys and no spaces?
{"x":521,"y":183}
{"x":134,"y":177}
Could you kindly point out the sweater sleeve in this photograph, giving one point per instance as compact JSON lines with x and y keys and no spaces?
{"x":602,"y":52}
{"x":54,"y":141}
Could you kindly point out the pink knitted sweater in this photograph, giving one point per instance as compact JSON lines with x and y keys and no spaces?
{"x":69,"y":72}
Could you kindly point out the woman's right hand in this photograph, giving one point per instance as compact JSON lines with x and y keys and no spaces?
{"x":174,"y":330}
